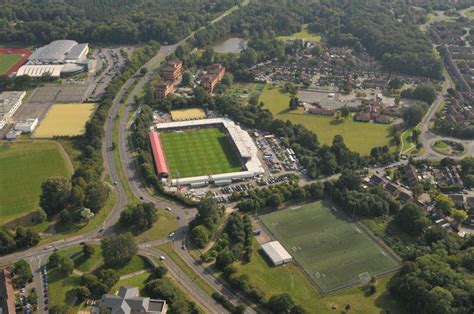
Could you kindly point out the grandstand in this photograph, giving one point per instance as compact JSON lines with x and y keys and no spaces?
{"x":242,"y":143}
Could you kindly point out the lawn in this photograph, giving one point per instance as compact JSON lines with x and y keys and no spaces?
{"x":80,"y":262}
{"x":199,"y":152}
{"x":360,"y":137}
{"x":163,"y":227}
{"x":23,"y":168}
{"x":332,"y":250}
{"x":65,"y":120}
{"x":59,"y":288}
{"x":7,"y":61}
{"x":289,"y":279}
{"x":303,"y":34}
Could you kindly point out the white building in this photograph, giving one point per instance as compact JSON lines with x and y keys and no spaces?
{"x":27,"y":126}
{"x":9,"y":104}
{"x":58,"y":57}
{"x":276,"y":253}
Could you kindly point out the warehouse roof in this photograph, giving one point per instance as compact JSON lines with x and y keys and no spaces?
{"x":276,"y":252}
{"x":56,"y":50}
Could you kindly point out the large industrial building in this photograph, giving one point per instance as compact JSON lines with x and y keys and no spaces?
{"x":58,"y":58}
{"x":241,"y":140}
{"x":9,"y":104}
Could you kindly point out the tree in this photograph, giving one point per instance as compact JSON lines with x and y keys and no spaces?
{"x":345,"y":112}
{"x":200,"y":236}
{"x":140,"y":217}
{"x":187,"y":79}
{"x":65,"y":266}
{"x":411,"y":219}
{"x":82,"y":293}
{"x":159,"y":272}
{"x":458,"y":215}
{"x":417,"y":190}
{"x":55,"y":194}
{"x":294,"y":103}
{"x":118,"y":250}
{"x":87,"y":250}
{"x":109,"y":277}
{"x":26,"y":237}
{"x":7,"y":242}
{"x":58,"y":309}
{"x":443,"y":203}
{"x":97,"y":194}
{"x":298,"y":309}
{"x":54,"y":260}
{"x":347,"y":307}
{"x":248,"y":57}
{"x":23,"y":273}
{"x":280,"y":303}
{"x":414,"y":114}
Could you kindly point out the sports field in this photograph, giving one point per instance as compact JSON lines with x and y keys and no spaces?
{"x":65,"y":120}
{"x":23,"y":168}
{"x":7,"y":61}
{"x":359,"y":137}
{"x":188,"y":114}
{"x":199,"y":152}
{"x":332,"y":250}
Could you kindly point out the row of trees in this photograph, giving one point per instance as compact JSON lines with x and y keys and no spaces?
{"x":206,"y":221}
{"x":139,"y":218}
{"x":127,"y":21}
{"x":19,"y":239}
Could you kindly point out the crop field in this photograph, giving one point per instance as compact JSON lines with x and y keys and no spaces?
{"x":7,"y":61}
{"x":23,"y":168}
{"x":303,"y":34}
{"x":188,"y":114}
{"x":199,"y":152}
{"x":65,"y":120}
{"x":360,"y":137}
{"x":331,"y":249}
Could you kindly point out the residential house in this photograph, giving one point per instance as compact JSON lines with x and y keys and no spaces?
{"x":127,"y":301}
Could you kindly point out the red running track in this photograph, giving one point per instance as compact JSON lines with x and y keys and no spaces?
{"x":25,"y":54}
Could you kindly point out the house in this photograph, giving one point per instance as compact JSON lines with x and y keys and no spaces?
{"x":374,"y":83}
{"x":127,"y":301}
{"x":321,"y":111}
{"x":383,"y":119}
{"x":172,"y":70}
{"x":412,"y":174}
{"x":362,"y":117}
{"x":458,"y":199}
{"x":7,"y":293}
{"x":392,"y":189}
{"x":404,"y":197}
{"x":163,"y":89}
{"x":376,"y":180}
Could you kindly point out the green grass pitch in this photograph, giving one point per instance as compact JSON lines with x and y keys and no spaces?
{"x":199,"y":152}
{"x":332,"y":250}
{"x":23,"y":168}
{"x":7,"y":61}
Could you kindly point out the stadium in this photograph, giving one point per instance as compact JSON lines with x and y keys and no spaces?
{"x":197,"y":153}
{"x":58,"y":58}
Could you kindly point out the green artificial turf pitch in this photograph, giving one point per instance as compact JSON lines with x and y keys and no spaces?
{"x":332,"y":250}
{"x":7,"y":61}
{"x":199,"y":152}
{"x":23,"y":168}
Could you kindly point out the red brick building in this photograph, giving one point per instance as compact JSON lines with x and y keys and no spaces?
{"x":163,"y":89}
{"x":214,"y":74}
{"x":7,"y":293}
{"x":172,"y":70}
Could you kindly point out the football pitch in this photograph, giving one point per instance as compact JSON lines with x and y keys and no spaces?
{"x":23,"y":168}
{"x":332,"y":250}
{"x":199,"y":152}
{"x":7,"y":61}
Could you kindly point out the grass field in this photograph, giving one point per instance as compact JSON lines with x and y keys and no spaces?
{"x":23,"y":168}
{"x":199,"y":152}
{"x":65,"y":120}
{"x":359,"y":137}
{"x":289,"y":279}
{"x":304,"y":34}
{"x":332,"y":250}
{"x":80,"y":262}
{"x":7,"y":61}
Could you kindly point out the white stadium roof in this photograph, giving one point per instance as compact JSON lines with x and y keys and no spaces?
{"x":59,"y":51}
{"x":40,"y":70}
{"x":276,"y":252}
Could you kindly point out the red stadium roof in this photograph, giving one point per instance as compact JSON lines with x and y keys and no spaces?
{"x":158,"y":154}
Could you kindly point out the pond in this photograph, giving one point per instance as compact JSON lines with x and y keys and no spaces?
{"x":230,"y":44}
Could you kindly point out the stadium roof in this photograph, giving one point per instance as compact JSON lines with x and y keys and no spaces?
{"x":276,"y":252}
{"x":40,"y":70}
{"x":58,"y":51}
